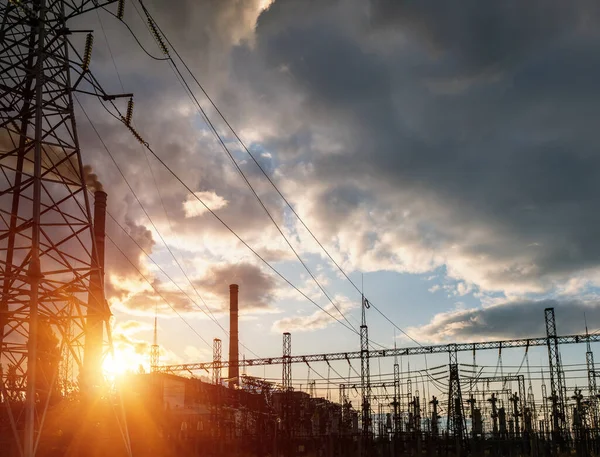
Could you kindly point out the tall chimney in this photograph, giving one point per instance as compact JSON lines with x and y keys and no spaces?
{"x":96,"y":310}
{"x":234,"y":357}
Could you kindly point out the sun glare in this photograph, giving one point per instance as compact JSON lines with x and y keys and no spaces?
{"x":120,"y":363}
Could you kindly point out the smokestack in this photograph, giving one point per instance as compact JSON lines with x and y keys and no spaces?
{"x":234,"y":357}
{"x":100,"y":226}
{"x":96,"y":310}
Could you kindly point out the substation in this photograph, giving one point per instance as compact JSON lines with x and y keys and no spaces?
{"x":55,"y":331}
{"x":513,"y":411}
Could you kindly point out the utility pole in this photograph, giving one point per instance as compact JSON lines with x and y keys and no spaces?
{"x":472,"y":402}
{"x":434,"y":417}
{"x":514,"y":399}
{"x":493,"y":400}
{"x":48,"y":252}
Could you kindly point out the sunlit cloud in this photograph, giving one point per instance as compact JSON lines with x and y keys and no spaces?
{"x":193,"y":207}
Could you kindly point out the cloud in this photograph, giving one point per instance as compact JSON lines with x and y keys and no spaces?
{"x":497,"y":179}
{"x":131,"y":327}
{"x":318,"y":320}
{"x":515,"y":319}
{"x":256,"y":288}
{"x":193,"y":207}
{"x":408,"y":135}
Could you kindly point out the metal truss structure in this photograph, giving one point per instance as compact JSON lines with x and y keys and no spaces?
{"x":216,"y":372}
{"x":456,"y":416}
{"x":557,"y":384}
{"x":48,"y":257}
{"x":415,"y":350}
{"x":365,"y":373}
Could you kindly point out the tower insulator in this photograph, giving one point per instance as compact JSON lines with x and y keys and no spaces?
{"x":129,"y":115}
{"x":157,"y":36}
{"x":134,"y":132}
{"x":87,"y":54}
{"x":24,"y":8}
{"x":121,"y":9}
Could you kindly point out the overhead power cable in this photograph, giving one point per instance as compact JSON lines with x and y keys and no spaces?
{"x":210,"y":316}
{"x":144,"y":152}
{"x":139,"y":138}
{"x":247,"y":150}
{"x":208,"y":121}
{"x":236,"y":165}
{"x":157,"y":291}
{"x":233,"y":232}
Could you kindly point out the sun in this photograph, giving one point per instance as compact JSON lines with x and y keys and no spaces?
{"x":114,"y":365}
{"x":122,"y":362}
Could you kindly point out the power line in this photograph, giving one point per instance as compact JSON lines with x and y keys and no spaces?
{"x":262,"y":259}
{"x":221,"y":221}
{"x":190,"y":94}
{"x":243,"y":175}
{"x":157,"y":291}
{"x":211,"y":316}
{"x":246,"y":149}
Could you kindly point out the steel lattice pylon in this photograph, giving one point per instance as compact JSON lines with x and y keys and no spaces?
{"x":365,"y":375}
{"x":217,"y":362}
{"x":456,"y":416}
{"x":47,"y":252}
{"x":556,"y":377}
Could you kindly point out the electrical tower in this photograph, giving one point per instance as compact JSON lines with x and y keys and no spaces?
{"x":286,"y":381}
{"x":365,"y":375}
{"x":396,"y":403}
{"x":593,"y":406}
{"x":456,"y":417}
{"x":556,"y":377}
{"x":216,"y":362}
{"x":48,"y":255}
{"x":155,"y":349}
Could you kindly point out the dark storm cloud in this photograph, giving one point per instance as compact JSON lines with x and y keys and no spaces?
{"x":518,"y":319}
{"x":481,"y":35}
{"x":476,"y":121}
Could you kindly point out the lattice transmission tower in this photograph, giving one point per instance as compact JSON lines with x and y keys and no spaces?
{"x":50,"y":268}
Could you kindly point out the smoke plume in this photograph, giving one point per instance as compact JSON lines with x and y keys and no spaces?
{"x":91,"y":179}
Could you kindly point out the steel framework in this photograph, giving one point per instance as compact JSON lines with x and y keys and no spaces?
{"x":365,"y":373}
{"x":286,"y":378}
{"x":47,"y":250}
{"x":155,"y":348}
{"x":556,"y":376}
{"x":415,"y":350}
{"x":456,"y":417}
{"x":593,"y":390}
{"x":216,"y":371}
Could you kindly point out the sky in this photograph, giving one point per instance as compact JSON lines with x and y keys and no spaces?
{"x":444,"y":154}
